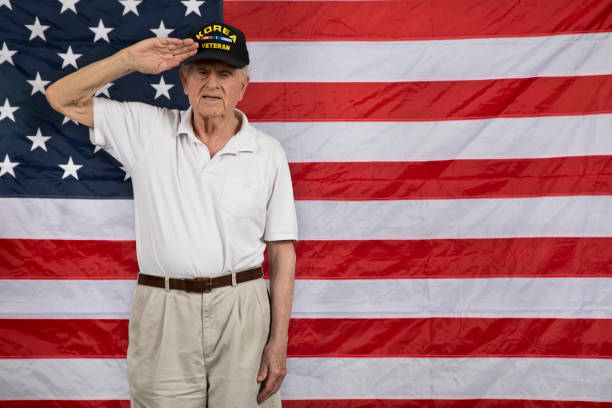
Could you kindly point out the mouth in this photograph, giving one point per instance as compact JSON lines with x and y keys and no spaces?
{"x":212,"y":98}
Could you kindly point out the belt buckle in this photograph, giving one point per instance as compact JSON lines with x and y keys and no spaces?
{"x":210,"y":283}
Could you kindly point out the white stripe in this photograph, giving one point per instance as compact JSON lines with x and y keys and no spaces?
{"x":318,"y":378}
{"x":533,"y":137}
{"x":488,"y":297}
{"x":73,"y":378}
{"x":41,"y":298}
{"x":420,"y":378}
{"x":570,"y":216}
{"x":436,"y":60}
{"x":48,"y":218}
{"x":374,"y":298}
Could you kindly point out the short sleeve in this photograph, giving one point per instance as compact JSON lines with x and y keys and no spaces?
{"x":123,"y":129}
{"x":281,"y":219}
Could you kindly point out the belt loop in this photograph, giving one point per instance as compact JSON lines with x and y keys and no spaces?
{"x":234,"y":278}
{"x":167,"y":282}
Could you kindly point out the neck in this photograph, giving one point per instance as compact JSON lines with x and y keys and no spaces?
{"x":215,"y":129}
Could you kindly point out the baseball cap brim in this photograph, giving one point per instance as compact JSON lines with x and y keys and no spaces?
{"x":216,"y":55}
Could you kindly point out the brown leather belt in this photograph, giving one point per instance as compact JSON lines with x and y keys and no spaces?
{"x":200,"y":284}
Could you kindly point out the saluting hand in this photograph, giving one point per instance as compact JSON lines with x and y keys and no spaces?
{"x":155,"y":55}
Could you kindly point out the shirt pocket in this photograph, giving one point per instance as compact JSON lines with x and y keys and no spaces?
{"x":241,"y":197}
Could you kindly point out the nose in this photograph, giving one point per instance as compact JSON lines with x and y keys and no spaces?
{"x":213,"y":81}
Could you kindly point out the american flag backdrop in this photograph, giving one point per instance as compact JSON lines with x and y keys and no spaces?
{"x":452,"y":169}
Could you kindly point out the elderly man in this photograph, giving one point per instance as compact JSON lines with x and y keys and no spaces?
{"x":210,"y":193}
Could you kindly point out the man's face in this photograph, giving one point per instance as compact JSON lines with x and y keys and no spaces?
{"x":213,"y":87}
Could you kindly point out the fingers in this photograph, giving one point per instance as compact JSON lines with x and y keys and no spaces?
{"x":175,"y":60}
{"x":175,"y":46}
{"x":270,"y":386}
{"x":271,"y":373}
{"x":174,"y":55}
{"x":271,"y":379}
{"x":183,"y":47}
{"x":174,"y":42}
{"x":184,"y":51}
{"x":178,"y":58}
{"x":263,"y":370}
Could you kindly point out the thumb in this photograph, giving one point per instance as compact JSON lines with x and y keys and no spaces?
{"x":166,"y":65}
{"x":263,"y":370}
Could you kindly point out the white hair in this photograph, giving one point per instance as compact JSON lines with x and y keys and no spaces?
{"x":244,"y":70}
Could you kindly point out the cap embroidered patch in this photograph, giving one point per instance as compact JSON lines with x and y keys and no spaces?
{"x":221,"y":42}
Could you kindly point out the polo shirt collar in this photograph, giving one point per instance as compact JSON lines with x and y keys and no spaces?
{"x":243,"y":141}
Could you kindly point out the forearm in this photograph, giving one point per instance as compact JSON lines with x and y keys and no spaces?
{"x":282,"y":277}
{"x":72,"y":94}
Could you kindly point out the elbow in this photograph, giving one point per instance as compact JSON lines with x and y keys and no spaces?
{"x":52,"y":97}
{"x":60,"y":99}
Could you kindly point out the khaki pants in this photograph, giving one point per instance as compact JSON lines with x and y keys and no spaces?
{"x":198,"y":349}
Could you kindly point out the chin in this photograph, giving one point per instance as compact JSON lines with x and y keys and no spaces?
{"x":211,"y":113}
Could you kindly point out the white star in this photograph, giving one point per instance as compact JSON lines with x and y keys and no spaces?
{"x":162,"y":88}
{"x":38,"y":85}
{"x":193,"y":6}
{"x":6,"y":54}
{"x":67,"y":119}
{"x":127,"y":175}
{"x":130,"y":5}
{"x":101,"y":32}
{"x":6,"y":3}
{"x":37,"y":30}
{"x":7,"y":166}
{"x":68,"y":4}
{"x":70,"y":169}
{"x":69,"y":58}
{"x":104,"y":89}
{"x":39,"y":140}
{"x":162,"y":31}
{"x":7,"y":110}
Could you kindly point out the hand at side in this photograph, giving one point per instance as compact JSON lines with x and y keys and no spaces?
{"x":272,"y":370}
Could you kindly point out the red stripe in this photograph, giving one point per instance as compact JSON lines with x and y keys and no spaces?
{"x":455,"y":258}
{"x":423,"y":337}
{"x":66,"y":259}
{"x":65,"y":404}
{"x":450,"y":337}
{"x":376,"y":259}
{"x":338,"y":403}
{"x":427,"y":101}
{"x":432,"y":403}
{"x":452,"y":179}
{"x":62,"y":338}
{"x":414,"y":20}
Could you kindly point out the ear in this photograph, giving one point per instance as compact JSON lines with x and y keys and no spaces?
{"x":183,"y":76}
{"x":243,"y":86}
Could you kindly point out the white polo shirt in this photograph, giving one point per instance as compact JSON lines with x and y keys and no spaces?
{"x":197,"y":216}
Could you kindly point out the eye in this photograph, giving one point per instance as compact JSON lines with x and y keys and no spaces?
{"x":226,"y":74}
